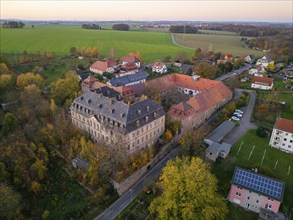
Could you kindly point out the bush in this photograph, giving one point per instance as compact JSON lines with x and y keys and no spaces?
{"x":260,"y":131}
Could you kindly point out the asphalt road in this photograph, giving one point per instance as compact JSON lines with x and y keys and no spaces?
{"x":245,"y":122}
{"x":234,"y":72}
{"x":130,"y":195}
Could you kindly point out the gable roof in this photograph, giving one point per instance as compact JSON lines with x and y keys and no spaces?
{"x":130,"y":59}
{"x":265,"y":59}
{"x":127,"y":79}
{"x":262,"y":81}
{"x":221,"y":131}
{"x":103,"y":65}
{"x":159,"y":64}
{"x":284,"y":125}
{"x":259,"y":183}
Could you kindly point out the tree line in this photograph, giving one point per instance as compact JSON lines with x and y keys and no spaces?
{"x":13,"y":24}
{"x":121,"y":27}
{"x":91,"y":26}
{"x":183,"y":29}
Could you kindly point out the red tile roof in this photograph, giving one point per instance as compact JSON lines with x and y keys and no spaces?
{"x":103,"y":65}
{"x":284,"y":125}
{"x":262,"y":81}
{"x":130,"y":59}
{"x":129,"y":67}
{"x":159,"y":64}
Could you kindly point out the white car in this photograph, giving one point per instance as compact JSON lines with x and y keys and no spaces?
{"x":239,"y":111}
{"x":237,"y":114}
{"x":235,"y":118}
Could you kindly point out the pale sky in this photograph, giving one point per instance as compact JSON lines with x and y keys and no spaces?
{"x":240,"y":10}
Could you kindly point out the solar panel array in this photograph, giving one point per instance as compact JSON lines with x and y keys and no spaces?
{"x":258,"y":183}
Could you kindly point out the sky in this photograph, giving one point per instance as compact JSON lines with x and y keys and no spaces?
{"x":194,"y":10}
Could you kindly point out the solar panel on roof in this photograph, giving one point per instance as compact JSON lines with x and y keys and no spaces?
{"x":256,"y":182}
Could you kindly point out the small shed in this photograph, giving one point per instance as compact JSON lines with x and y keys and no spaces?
{"x":216,"y":150}
{"x":79,"y":163}
{"x":219,"y":132}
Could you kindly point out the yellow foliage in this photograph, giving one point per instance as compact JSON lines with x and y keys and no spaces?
{"x":168,"y":135}
{"x":3,"y":68}
{"x":29,"y":78}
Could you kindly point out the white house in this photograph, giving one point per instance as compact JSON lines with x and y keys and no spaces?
{"x":159,"y":67}
{"x":103,"y":66}
{"x":265,"y":61}
{"x":253,"y":71}
{"x":263,"y":83}
{"x":250,"y":58}
{"x":282,"y":135}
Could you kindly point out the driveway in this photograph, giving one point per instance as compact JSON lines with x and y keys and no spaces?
{"x":245,"y":122}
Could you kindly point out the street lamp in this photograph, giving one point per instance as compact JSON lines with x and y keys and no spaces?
{"x":130,"y":194}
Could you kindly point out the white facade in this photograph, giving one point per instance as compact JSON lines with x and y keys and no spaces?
{"x":262,"y":87}
{"x":136,"y":63}
{"x":159,"y":69}
{"x":282,"y":140}
{"x":253,"y":71}
{"x":187,"y":91}
{"x":109,"y":70}
{"x":144,"y":136}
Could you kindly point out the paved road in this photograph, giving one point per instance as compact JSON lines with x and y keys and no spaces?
{"x":245,"y":122}
{"x":234,"y":72}
{"x":130,"y":195}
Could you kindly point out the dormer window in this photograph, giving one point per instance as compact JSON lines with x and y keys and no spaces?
{"x":81,"y":98}
{"x":155,"y":114}
{"x":139,"y":111}
{"x":112,"y":110}
{"x":101,"y":105}
{"x":137,"y":123}
{"x":148,"y":108}
{"x":147,"y":118}
{"x":122,"y":115}
{"x":89,"y":101}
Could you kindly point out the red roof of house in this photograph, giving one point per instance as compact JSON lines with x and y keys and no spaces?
{"x":262,"y":81}
{"x":130,"y":59}
{"x":129,"y":66}
{"x":103,"y":65}
{"x":159,"y":64}
{"x":284,"y":125}
{"x":228,"y":56}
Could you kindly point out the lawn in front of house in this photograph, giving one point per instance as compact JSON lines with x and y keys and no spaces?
{"x":252,"y":151}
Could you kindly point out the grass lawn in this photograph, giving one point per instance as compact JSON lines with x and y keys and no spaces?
{"x":239,"y":156}
{"x":224,"y":43}
{"x":59,"y":39}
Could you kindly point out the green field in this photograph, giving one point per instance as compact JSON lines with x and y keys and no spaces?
{"x":224,"y":42}
{"x":59,"y":39}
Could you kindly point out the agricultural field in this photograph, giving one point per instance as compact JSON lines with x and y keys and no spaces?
{"x":59,"y":39}
{"x":252,"y":151}
{"x":224,"y":42}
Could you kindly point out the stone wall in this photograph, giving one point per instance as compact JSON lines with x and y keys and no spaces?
{"x":127,"y":183}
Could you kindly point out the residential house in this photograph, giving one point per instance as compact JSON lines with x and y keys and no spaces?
{"x":250,"y":58}
{"x":244,"y":79}
{"x":130,"y":59}
{"x":254,"y":191}
{"x":253,"y":71}
{"x":185,"y":68}
{"x":282,"y":135}
{"x":120,"y":125}
{"x":262,"y":83}
{"x":265,"y":61}
{"x":216,"y":150}
{"x":219,"y":132}
{"x":159,"y":67}
{"x":127,"y":80}
{"x":203,"y":97}
{"x":127,"y":69}
{"x":93,"y":83}
{"x":103,"y":66}
{"x":228,"y":57}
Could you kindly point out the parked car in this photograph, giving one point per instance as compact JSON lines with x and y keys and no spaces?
{"x":239,"y":111}
{"x":235,"y":118}
{"x":238,"y":115}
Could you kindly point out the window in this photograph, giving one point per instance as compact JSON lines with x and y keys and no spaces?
{"x":257,"y":201}
{"x":238,"y":187}
{"x":238,"y":194}
{"x":270,"y":199}
{"x":268,"y":206}
{"x":291,"y":141}
{"x":289,"y":146}
{"x":285,"y":139}
{"x":283,"y":144}
{"x":248,"y":198}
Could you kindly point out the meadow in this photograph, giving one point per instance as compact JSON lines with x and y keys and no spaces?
{"x":224,"y":42}
{"x":59,"y":39}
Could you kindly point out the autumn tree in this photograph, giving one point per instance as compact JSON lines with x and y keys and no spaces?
{"x":29,"y":78}
{"x":73,"y":51}
{"x":181,"y":56}
{"x":205,"y":70}
{"x":94,"y":52}
{"x":10,"y":202}
{"x":10,"y":123}
{"x":3,"y":68}
{"x":189,"y":192}
{"x":64,"y":90}
{"x":6,"y":82}
{"x":138,"y":56}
